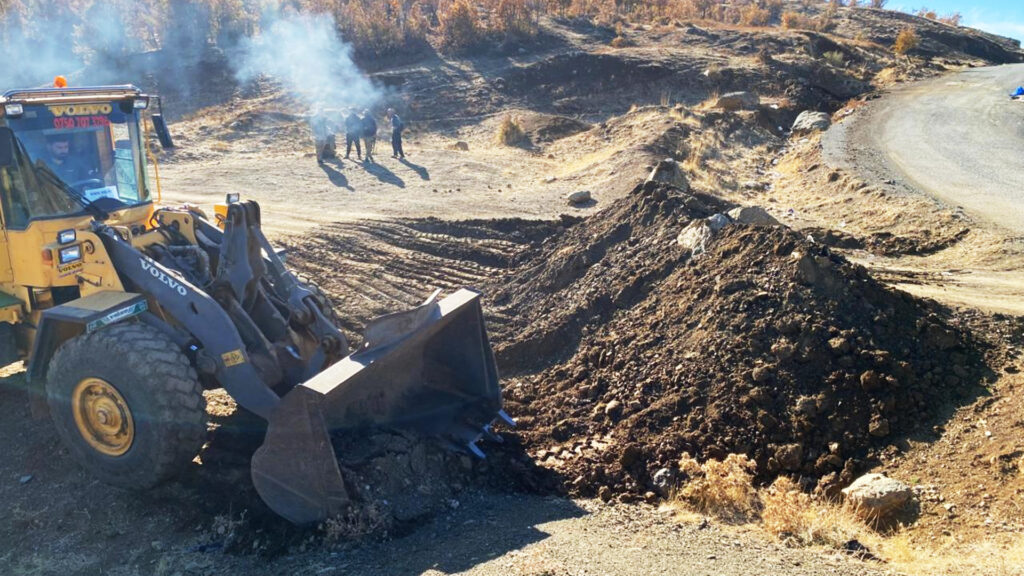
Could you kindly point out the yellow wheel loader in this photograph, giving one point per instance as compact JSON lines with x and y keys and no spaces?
{"x":126,"y":311}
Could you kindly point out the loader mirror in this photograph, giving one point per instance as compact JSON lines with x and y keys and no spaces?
{"x":7,"y":146}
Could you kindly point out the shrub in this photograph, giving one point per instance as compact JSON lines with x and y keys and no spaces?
{"x":906,"y":41}
{"x":620,"y":41}
{"x":879,"y":3}
{"x":796,"y":21}
{"x":834,"y":58}
{"x":789,"y":514}
{"x":723,"y":489}
{"x":953,"y":19}
{"x":458,"y":27}
{"x":753,"y":15}
{"x":510,"y":131}
{"x":513,"y":17}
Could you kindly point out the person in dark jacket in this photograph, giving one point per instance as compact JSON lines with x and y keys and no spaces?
{"x":396,"y":134}
{"x":353,"y":132}
{"x":369,"y":134}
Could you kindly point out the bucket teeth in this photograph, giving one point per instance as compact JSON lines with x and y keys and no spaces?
{"x":475,"y":450}
{"x":506,"y":418}
{"x":493,"y":436}
{"x":466,"y":436}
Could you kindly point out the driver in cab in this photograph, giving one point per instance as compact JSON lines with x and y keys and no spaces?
{"x":59,"y":159}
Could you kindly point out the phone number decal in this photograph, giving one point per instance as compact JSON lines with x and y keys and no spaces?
{"x":68,"y":123}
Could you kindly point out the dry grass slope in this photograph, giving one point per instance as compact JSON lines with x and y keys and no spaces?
{"x":724,"y":490}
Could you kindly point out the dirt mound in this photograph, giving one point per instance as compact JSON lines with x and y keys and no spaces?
{"x":631,"y":350}
{"x":548,"y":128}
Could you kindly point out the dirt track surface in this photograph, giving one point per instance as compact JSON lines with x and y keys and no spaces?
{"x":958,"y":138}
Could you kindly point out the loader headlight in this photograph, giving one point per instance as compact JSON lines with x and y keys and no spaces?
{"x":141,"y":103}
{"x":66,"y":236}
{"x":231,"y":198}
{"x":12,"y":110}
{"x":70,"y":254}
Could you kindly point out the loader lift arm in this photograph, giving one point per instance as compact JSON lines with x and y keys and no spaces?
{"x":430,"y":369}
{"x":223,"y":353}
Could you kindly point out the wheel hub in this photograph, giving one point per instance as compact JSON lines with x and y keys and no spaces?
{"x":102,"y":416}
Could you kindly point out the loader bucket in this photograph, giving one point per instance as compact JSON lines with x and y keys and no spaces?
{"x":430,"y":370}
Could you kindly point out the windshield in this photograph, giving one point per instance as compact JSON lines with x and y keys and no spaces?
{"x":74,"y":154}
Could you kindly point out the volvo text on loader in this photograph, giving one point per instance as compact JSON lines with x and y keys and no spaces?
{"x":126,"y":311}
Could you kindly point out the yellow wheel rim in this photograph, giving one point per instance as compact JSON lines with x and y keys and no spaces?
{"x":102,"y":417}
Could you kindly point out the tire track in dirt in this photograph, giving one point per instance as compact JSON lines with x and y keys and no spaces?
{"x":375,"y":267}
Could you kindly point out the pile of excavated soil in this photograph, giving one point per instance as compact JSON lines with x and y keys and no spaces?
{"x":629,"y":350}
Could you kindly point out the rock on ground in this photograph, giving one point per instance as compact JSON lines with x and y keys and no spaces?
{"x":752,"y":215}
{"x":580,"y":197}
{"x":737,"y":101}
{"x":668,"y":171}
{"x":809,"y":121}
{"x":697,"y":233}
{"x":875,"y":496}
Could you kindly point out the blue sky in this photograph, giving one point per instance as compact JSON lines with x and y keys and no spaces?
{"x":1003,"y":17}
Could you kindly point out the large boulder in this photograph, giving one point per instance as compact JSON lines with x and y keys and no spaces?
{"x":752,"y":215}
{"x":669,"y":172}
{"x":738,"y":101}
{"x":875,"y":497}
{"x":809,"y":121}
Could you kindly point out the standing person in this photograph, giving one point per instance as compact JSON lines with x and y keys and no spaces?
{"x":369,"y":134}
{"x":323,"y":135}
{"x":353,"y":131}
{"x":396,"y":134}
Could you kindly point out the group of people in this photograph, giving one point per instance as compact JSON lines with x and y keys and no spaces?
{"x":359,"y":128}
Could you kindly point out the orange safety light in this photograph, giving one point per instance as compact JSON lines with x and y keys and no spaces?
{"x":60,"y":82}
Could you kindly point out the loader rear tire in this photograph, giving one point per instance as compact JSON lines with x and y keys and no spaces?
{"x":127,"y":404}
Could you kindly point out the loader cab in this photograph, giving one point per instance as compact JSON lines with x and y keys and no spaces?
{"x":76,"y":152}
{"x":67,"y":157}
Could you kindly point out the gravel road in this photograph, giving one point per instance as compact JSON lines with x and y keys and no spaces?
{"x":958,"y":137}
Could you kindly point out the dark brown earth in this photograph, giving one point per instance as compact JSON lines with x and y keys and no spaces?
{"x":631,"y":351}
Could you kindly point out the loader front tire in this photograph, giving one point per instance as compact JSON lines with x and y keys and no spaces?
{"x":321,"y":298}
{"x":127,"y":404}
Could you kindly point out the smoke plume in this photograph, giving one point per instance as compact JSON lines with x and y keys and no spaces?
{"x":305,"y":53}
{"x":187,"y":55}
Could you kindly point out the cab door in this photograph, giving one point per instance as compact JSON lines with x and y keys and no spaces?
{"x":6,"y":271}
